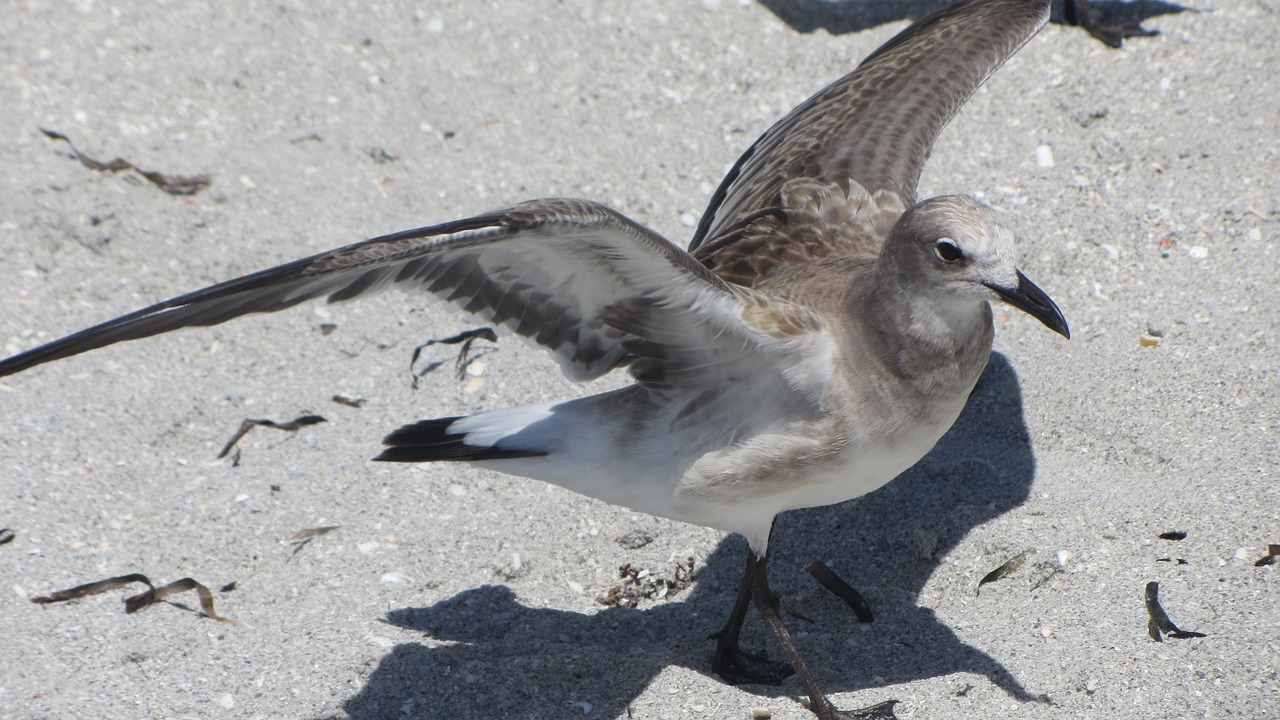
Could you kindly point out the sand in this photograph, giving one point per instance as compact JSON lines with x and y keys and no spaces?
{"x":1143,"y":183}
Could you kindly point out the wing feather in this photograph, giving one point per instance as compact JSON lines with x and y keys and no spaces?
{"x":866,"y":135}
{"x":546,"y":270}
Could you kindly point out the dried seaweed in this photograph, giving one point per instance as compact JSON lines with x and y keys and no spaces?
{"x":172,"y":184}
{"x":841,"y":589}
{"x":1173,"y":535}
{"x":879,"y":711}
{"x":1159,"y":621}
{"x":302,"y":538}
{"x":382,"y":156}
{"x":6,"y":536}
{"x":1005,"y":569}
{"x":248,"y":424}
{"x":349,"y":401}
{"x":308,"y":533}
{"x":137,"y":602}
{"x":464,"y":358}
{"x":1273,"y":551}
{"x":643,"y":585}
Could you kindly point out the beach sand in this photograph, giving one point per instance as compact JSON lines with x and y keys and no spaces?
{"x":1143,"y":184}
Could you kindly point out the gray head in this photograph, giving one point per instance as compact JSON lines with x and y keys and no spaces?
{"x":958,"y":249}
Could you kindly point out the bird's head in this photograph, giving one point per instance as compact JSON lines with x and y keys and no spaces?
{"x":954,"y":247}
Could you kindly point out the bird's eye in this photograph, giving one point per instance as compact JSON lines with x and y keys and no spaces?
{"x":947,"y":251}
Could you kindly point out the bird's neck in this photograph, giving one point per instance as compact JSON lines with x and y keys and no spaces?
{"x":927,"y":341}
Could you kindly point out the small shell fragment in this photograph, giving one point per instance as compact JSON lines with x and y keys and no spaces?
{"x":1044,"y":156}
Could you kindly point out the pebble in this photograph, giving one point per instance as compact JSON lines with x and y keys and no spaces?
{"x":1044,"y":156}
{"x":1198,"y":252}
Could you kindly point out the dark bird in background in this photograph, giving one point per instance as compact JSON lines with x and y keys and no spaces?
{"x":1110,"y":21}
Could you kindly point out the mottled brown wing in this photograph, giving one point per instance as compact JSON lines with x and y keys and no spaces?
{"x":552,"y":271}
{"x":872,"y":129}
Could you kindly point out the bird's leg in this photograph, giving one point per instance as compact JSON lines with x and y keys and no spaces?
{"x":736,"y":666}
{"x":767,"y":605}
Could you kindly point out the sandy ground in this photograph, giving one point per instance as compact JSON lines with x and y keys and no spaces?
{"x":1144,"y":184}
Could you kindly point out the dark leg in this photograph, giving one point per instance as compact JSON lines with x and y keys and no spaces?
{"x":731,"y":662}
{"x":767,"y":605}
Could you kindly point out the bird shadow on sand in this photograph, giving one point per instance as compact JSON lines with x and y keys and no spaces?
{"x":501,"y":658}
{"x":845,"y":16}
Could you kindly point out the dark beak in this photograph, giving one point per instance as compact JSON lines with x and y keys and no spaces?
{"x":1032,"y":300}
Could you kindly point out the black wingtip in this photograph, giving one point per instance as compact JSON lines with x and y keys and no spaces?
{"x":431,"y":441}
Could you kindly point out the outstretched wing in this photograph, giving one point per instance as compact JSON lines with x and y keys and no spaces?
{"x":570,"y":275}
{"x":872,"y":129}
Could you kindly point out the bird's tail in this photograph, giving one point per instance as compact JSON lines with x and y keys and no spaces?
{"x":486,"y":436}
{"x":590,"y":445}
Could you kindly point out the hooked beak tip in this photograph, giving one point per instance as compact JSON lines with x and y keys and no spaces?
{"x":1029,"y":298}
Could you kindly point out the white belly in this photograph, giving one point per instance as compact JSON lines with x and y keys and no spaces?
{"x":747,"y":503}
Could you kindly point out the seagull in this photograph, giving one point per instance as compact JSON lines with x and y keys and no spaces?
{"x":820,"y":334}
